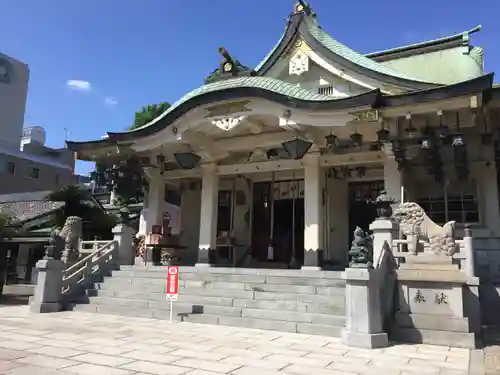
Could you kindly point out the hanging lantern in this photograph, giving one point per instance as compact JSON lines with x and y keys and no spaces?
{"x":333,"y":173}
{"x":383,"y":135}
{"x":410,"y":130}
{"x":357,"y":139}
{"x":187,"y":160}
{"x":332,"y":141}
{"x":426,"y":143}
{"x":397,"y":145}
{"x":160,"y":159}
{"x":457,"y":140}
{"x":145,"y":161}
{"x":297,"y":147}
{"x":346,"y":172}
{"x":361,"y":172}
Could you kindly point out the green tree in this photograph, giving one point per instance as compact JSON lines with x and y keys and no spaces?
{"x":124,"y":177}
{"x":78,"y":202}
{"x":6,"y":226}
{"x":148,"y":113}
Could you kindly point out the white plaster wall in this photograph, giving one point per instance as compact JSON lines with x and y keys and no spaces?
{"x":318,"y":77}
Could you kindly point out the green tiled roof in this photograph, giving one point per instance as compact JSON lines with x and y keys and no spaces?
{"x":347,"y":53}
{"x":261,"y":64}
{"x":460,"y":37}
{"x":265,"y":83}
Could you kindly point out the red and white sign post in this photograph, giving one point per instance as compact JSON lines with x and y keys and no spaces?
{"x":172,"y":286}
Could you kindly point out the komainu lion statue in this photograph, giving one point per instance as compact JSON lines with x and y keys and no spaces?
{"x":71,"y":233}
{"x":414,"y":221}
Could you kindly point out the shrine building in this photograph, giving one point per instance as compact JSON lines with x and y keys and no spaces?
{"x":278,"y":164}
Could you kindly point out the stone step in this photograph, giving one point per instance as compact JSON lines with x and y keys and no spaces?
{"x":157,"y":284}
{"x":299,"y":279}
{"x":200,"y":308}
{"x":275,"y":325}
{"x":335,"y":306}
{"x":180,"y":307}
{"x":134,"y":289}
{"x":434,"y":337}
{"x":430,"y":267}
{"x":161,"y":271}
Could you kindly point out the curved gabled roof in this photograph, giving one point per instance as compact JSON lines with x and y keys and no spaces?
{"x":289,"y":95}
{"x":247,"y":87}
{"x":306,"y":26}
{"x":451,"y":40}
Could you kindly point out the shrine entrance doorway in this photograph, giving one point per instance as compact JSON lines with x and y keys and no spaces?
{"x":361,"y":211}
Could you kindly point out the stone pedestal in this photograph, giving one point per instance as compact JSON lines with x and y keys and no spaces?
{"x":383,"y":231}
{"x":363,"y":310}
{"x":47,"y":295}
{"x":436,"y":304}
{"x":124,"y":237}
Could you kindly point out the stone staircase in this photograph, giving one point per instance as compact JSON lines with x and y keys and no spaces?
{"x":281,"y":300}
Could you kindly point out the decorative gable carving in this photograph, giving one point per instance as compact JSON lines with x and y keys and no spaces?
{"x":228,"y":123}
{"x":299,"y":63}
{"x":229,"y":68}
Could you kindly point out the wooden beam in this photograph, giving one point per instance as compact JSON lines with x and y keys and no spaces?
{"x":204,"y":146}
{"x":333,"y":160}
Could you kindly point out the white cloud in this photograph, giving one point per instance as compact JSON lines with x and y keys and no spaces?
{"x":109,"y":100}
{"x":78,"y":85}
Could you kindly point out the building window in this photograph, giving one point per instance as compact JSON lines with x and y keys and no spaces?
{"x":457,"y":201}
{"x":326,"y":90}
{"x":34,"y":172}
{"x":10,"y":167}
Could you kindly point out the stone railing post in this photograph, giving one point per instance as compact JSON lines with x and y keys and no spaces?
{"x":48,"y":289}
{"x":364,"y":321}
{"x":384,"y":230}
{"x":468,"y":247}
{"x":124,"y":238}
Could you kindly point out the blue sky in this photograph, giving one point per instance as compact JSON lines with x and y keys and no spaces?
{"x":134,"y":53}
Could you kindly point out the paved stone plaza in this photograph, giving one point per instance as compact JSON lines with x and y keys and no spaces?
{"x":94,"y":344}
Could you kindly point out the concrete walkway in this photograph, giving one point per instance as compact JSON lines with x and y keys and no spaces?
{"x":93,"y":344}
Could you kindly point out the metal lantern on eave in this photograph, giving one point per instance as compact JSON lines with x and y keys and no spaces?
{"x":458,"y":140}
{"x":383,"y":135}
{"x":357,"y":139}
{"x":297,"y":147}
{"x":332,"y":141}
{"x":187,"y":160}
{"x":427,"y":143}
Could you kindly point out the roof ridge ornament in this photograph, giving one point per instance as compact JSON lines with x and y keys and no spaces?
{"x":230,"y":67}
{"x":304,"y":7}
